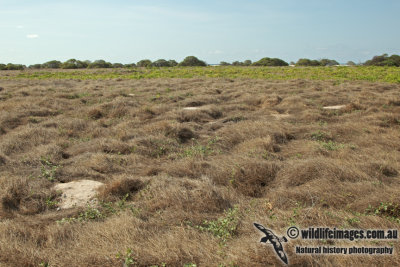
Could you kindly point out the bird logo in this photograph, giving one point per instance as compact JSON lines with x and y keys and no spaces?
{"x":274,"y":240}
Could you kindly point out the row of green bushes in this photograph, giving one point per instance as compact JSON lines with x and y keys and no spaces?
{"x":78,"y":64}
{"x":11,"y":66}
{"x":279,"y":62}
{"x":266,"y":61}
{"x":384,"y":60}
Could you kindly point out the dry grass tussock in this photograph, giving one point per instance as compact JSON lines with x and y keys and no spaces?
{"x":183,"y":186}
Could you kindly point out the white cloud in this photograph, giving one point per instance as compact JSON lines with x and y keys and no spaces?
{"x":216,"y":52}
{"x":20,"y":27}
{"x":32,"y":36}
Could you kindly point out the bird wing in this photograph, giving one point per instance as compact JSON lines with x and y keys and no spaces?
{"x":279,"y":250}
{"x":261,"y":228}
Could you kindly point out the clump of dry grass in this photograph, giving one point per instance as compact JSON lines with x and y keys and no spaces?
{"x":203,"y":114}
{"x":21,"y":196}
{"x":3,"y":160}
{"x":183,"y":133}
{"x":266,"y":149}
{"x":95,"y":114}
{"x":249,"y":177}
{"x":119,"y":188}
{"x":25,"y":139}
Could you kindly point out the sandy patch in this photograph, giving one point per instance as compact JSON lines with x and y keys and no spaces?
{"x":335,"y":107}
{"x":77,"y":193}
{"x":280,"y":116}
{"x":191,"y":108}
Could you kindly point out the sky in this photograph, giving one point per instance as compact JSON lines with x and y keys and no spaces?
{"x":36,"y":31}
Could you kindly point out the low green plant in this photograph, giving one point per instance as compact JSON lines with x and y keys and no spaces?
{"x":50,"y":203}
{"x":386,"y":209}
{"x":90,"y":213}
{"x":156,"y":97}
{"x":79,"y":140}
{"x":197,"y":149}
{"x":48,"y":169}
{"x":76,"y":95}
{"x":292,"y":219}
{"x":232,"y":264}
{"x":127,"y":258}
{"x":319,"y":136}
{"x":33,"y":120}
{"x":163,"y":264}
{"x":331,"y":145}
{"x":104,"y":210}
{"x":223,"y":228}
{"x":353,"y":220}
{"x":296,"y":213}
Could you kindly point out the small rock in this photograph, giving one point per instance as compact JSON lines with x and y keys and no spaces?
{"x":280,"y":116}
{"x":335,"y":107}
{"x":191,"y":108}
{"x":1,"y":89}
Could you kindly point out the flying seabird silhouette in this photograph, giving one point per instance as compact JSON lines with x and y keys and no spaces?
{"x":274,"y":240}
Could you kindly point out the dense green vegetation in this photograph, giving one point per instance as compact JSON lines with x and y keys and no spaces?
{"x":192,"y":61}
{"x":10,"y":66}
{"x":315,"y":63}
{"x":384,"y":60}
{"x":270,"y":62}
{"x":359,"y":73}
{"x":247,"y":62}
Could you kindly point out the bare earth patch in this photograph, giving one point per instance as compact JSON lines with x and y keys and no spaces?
{"x":335,"y":107}
{"x":191,"y":108}
{"x":77,"y":193}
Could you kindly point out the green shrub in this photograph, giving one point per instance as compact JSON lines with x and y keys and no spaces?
{"x":130,"y":65}
{"x":34,"y":66}
{"x":74,"y":64}
{"x":11,"y":66}
{"x":53,"y":64}
{"x":384,"y":60}
{"x":144,"y":63}
{"x":308,"y":62}
{"x":117,"y":65}
{"x":328,"y":62}
{"x":223,"y":63}
{"x":247,"y":62}
{"x":172,"y":63}
{"x":161,"y":63}
{"x":266,"y":61}
{"x":237,"y":63}
{"x":192,"y":61}
{"x":97,"y":64}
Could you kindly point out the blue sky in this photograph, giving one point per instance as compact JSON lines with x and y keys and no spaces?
{"x":36,"y":31}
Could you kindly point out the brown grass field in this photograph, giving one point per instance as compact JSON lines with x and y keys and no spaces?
{"x":183,"y":187}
